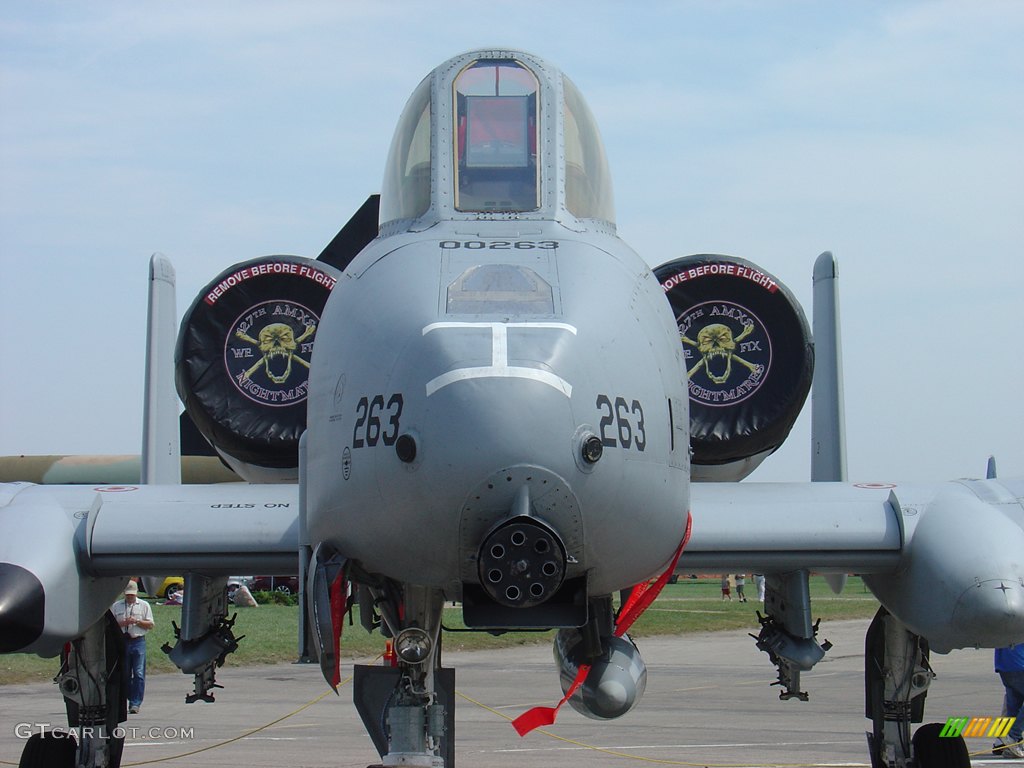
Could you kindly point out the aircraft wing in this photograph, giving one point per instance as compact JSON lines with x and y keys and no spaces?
{"x":943,"y":558}
{"x":60,"y":583}
{"x":779,"y":527}
{"x":215,"y":529}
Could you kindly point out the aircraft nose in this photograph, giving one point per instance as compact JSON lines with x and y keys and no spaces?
{"x":993,"y":608}
{"x":22,"y":608}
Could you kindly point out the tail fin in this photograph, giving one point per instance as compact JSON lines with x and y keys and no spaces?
{"x":161,"y":447}
{"x":828,"y":421}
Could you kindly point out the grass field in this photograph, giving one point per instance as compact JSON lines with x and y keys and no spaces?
{"x":691,"y":605}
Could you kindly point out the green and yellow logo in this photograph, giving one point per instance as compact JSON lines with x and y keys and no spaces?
{"x":977,"y":727}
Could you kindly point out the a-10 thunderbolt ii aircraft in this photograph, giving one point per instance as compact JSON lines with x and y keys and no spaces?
{"x":493,"y":403}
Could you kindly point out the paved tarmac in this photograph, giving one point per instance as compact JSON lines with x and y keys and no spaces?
{"x":708,"y":703}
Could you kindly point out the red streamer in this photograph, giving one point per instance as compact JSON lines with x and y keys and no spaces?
{"x":339,"y":595}
{"x":639,"y":601}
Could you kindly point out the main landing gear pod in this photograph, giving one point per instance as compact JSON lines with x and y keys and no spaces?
{"x":242,"y":361}
{"x":616,"y":680}
{"x":749,"y":357}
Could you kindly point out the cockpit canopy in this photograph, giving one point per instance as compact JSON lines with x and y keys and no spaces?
{"x":496,"y":135}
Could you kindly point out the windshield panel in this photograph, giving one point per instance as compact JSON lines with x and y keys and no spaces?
{"x":405,"y":193}
{"x":496,"y":130}
{"x":588,"y":188}
{"x":505,"y":289}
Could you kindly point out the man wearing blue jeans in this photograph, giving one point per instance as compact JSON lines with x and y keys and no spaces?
{"x":135,"y":618}
{"x":1010,"y":666}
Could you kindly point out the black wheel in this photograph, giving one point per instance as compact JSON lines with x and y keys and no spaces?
{"x":931,"y":751}
{"x":47,"y":750}
{"x":172,"y":589}
{"x":284,"y":589}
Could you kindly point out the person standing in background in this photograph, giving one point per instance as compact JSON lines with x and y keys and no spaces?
{"x":1009,"y":663}
{"x":759,"y":584}
{"x":135,"y":618}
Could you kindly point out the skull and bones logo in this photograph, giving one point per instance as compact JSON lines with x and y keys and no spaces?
{"x":717,"y":348}
{"x":278,"y":344}
{"x":732,"y":348}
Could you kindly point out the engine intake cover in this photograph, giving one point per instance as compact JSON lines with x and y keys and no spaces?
{"x":749,"y":355}
{"x":243,"y":354}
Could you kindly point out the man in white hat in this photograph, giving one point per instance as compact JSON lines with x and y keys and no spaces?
{"x":135,"y":618}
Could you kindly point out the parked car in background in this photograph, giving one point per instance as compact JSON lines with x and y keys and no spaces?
{"x":288,"y":585}
{"x":155,"y":586}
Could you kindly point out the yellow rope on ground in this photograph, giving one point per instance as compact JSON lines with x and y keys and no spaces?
{"x":235,"y":738}
{"x":307,"y":705}
{"x":502,"y":715}
{"x":219,"y":744}
{"x":995,"y":749}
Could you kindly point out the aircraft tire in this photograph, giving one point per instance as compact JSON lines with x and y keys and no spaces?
{"x":931,"y":751}
{"x":47,"y":750}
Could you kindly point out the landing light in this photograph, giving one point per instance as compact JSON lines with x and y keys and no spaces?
{"x":405,"y":448}
{"x":592,"y":449}
{"x":413,"y":645}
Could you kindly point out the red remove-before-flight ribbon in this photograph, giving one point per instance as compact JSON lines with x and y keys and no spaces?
{"x":338,"y":594}
{"x":639,"y":600}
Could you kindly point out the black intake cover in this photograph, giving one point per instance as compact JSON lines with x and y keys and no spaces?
{"x":749,"y":354}
{"x":243,"y":353}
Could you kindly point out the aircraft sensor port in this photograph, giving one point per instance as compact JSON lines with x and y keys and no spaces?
{"x":521,"y":563}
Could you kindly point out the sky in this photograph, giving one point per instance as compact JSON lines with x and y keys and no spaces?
{"x":887,"y":132}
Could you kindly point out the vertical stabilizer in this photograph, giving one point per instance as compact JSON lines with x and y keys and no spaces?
{"x":161,"y":449}
{"x":990,"y":469}
{"x":828,"y":422}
